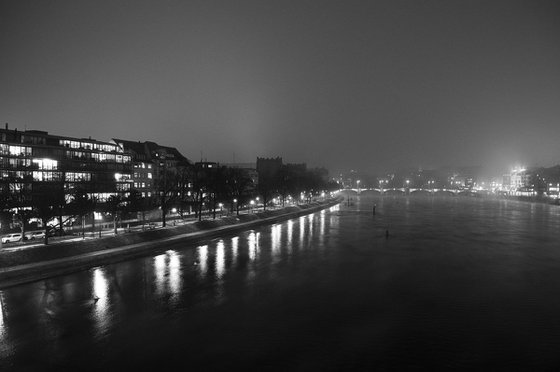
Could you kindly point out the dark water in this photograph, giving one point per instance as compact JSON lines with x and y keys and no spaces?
{"x":460,"y":283}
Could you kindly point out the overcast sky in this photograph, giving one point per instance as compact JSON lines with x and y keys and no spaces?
{"x":368,"y":85}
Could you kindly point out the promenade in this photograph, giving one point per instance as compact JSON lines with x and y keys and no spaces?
{"x":30,"y":262}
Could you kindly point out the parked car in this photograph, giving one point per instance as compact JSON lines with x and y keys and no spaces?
{"x":11,"y":238}
{"x":35,"y":235}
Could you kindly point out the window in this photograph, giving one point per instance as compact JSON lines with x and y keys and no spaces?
{"x":45,"y":176}
{"x":19,"y":151}
{"x":46,"y":164}
{"x":77,"y":176}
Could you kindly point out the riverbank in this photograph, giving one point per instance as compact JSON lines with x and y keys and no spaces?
{"x":26,"y":265}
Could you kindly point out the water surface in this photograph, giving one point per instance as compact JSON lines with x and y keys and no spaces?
{"x":459,"y":283}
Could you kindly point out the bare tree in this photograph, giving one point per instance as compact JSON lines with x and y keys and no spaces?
{"x":114,"y":205}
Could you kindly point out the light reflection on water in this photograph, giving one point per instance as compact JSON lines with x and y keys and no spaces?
{"x":301,"y":231}
{"x":159,"y":269}
{"x":220,"y":259}
{"x":101,"y":306}
{"x":234,"y":248}
{"x":322,"y":228}
{"x":2,"y":324}
{"x":275,"y":238}
{"x":253,"y":242}
{"x":290,"y":234}
{"x":175,"y":279}
{"x":450,"y":266}
{"x":202,"y":260}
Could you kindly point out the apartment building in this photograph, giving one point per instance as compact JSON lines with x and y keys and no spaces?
{"x":153,"y":165}
{"x":34,"y":161}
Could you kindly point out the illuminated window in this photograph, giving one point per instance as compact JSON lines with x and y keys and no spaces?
{"x":19,"y":151}
{"x":46,"y":164}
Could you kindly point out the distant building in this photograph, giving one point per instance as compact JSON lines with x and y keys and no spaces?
{"x":461,"y":182}
{"x":250,"y":169}
{"x":267,"y":168}
{"x":207,"y":164}
{"x":517,"y":181}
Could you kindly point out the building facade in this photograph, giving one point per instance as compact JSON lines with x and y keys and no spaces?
{"x":33,"y":160}
{"x":154,"y":165}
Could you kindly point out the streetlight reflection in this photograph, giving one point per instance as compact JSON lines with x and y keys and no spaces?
{"x":220,"y":259}
{"x":159,"y":268}
{"x":174,"y":272}
{"x":202,"y":259}
{"x":100,"y":291}
{"x":234,"y":248}
{"x":290,"y":235}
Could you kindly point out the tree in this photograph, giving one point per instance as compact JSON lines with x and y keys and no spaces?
{"x":167,"y":190}
{"x":135,"y":203}
{"x":267,"y":188}
{"x":22,"y":193}
{"x":201,"y":188}
{"x":183,"y":180}
{"x":239,"y":185}
{"x":114,"y":205}
{"x":218,"y":186}
{"x":287,"y":184}
{"x":45,"y":206}
{"x":81,"y":204}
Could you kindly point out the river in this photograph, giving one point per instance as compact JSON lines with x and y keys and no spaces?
{"x":459,"y":282}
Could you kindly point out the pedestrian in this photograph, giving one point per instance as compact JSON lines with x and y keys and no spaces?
{"x":374,"y":209}
{"x":386,"y":234}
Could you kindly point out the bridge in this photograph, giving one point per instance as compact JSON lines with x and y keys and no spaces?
{"x":410,"y":190}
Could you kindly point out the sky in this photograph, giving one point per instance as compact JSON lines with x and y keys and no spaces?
{"x":367,"y":85}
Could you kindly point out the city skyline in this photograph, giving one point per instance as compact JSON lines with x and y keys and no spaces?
{"x":371,"y":86}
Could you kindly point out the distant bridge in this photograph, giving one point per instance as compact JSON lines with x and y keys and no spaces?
{"x":410,"y":190}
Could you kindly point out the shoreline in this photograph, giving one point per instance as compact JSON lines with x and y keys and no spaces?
{"x":109,"y":250}
{"x":526,"y":199}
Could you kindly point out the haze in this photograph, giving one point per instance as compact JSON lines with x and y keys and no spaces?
{"x":369,"y":85}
